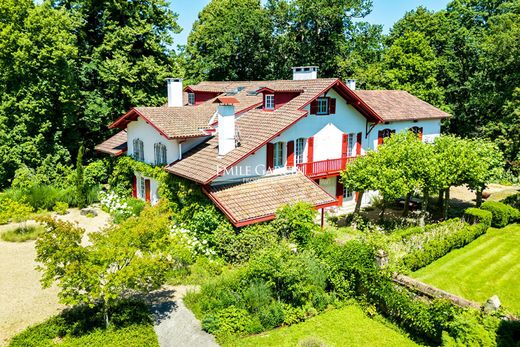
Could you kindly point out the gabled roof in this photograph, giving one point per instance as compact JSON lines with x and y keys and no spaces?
{"x":254,"y":201}
{"x":115,"y":146}
{"x":257,"y":127}
{"x":399,"y":105}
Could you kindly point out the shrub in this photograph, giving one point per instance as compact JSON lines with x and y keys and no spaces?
{"x":61,"y":207}
{"x":95,"y":173}
{"x":476,"y":215}
{"x":22,"y":234}
{"x":229,"y":322}
{"x":295,"y":222}
{"x":501,"y":212}
{"x":513,"y":200}
{"x":14,"y":211}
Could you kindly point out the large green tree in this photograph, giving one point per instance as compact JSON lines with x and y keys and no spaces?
{"x":125,"y":53}
{"x":230,"y":41}
{"x":38,"y":86}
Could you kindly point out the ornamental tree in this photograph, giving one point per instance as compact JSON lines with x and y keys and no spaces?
{"x":127,"y":259}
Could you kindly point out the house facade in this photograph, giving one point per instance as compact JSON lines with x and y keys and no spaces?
{"x":254,"y":146}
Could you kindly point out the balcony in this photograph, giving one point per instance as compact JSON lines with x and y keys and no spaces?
{"x":324,"y":168}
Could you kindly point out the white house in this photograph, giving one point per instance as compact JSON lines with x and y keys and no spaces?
{"x":254,"y":146}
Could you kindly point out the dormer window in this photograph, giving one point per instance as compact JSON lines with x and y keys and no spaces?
{"x":160,"y":154}
{"x":323,"y":106}
{"x":191,"y":98}
{"x":138,"y":149}
{"x":269,"y":102}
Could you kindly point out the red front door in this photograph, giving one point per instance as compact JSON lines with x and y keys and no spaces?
{"x":147,"y":189}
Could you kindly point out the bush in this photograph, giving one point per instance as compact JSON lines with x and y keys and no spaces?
{"x":22,"y":234}
{"x":96,"y":173}
{"x":61,"y":207}
{"x":476,"y":215}
{"x":14,"y":211}
{"x":513,"y":201}
{"x":295,"y":222}
{"x":502,"y":213}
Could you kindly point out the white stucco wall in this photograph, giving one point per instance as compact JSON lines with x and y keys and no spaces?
{"x":431,"y":129}
{"x":150,"y":136}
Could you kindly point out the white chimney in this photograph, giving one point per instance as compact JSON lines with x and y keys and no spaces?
{"x":305,"y":73}
{"x":351,"y":84}
{"x":174,"y":86}
{"x":226,"y":124}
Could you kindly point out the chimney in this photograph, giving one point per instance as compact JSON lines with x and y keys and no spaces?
{"x":174,"y":86}
{"x":226,"y":124}
{"x":305,"y":73}
{"x":351,"y":84}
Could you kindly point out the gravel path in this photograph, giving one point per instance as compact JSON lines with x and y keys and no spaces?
{"x":175,"y":325}
{"x":23,"y":302}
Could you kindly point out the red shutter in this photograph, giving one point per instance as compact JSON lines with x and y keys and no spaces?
{"x":134,"y":186}
{"x":310,"y":149}
{"x":314,"y":107}
{"x":290,"y":154}
{"x":339,"y":190}
{"x":380,"y":137}
{"x":344,"y":145}
{"x":420,"y":133}
{"x":147,"y":189}
{"x":332,"y":106}
{"x":270,"y":156}
{"x":358,"y":144}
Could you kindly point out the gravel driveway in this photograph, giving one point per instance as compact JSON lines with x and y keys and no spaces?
{"x":22,"y":300}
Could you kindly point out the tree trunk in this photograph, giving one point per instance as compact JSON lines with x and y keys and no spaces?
{"x":358,"y":203}
{"x":105,"y":314}
{"x":424,"y":207}
{"x":446,"y":203}
{"x":479,"y":196}
{"x":383,"y":207}
{"x":440,"y":202}
{"x":407,"y":204}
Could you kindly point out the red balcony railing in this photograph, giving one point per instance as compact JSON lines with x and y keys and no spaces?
{"x":324,"y":167}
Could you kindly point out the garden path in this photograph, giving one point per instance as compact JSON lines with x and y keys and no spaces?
{"x":174,"y":323}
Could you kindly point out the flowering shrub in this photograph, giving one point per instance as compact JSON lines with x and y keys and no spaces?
{"x":196,"y":245}
{"x":119,"y":207}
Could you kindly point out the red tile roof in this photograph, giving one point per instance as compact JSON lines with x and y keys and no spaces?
{"x":116,"y":145}
{"x":257,"y":200}
{"x":399,"y":105}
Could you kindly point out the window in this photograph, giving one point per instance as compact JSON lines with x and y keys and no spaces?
{"x":351,"y":148}
{"x":387,"y":133}
{"x":138,"y":150}
{"x":298,"y":151}
{"x":160,"y":154}
{"x":278,"y":155}
{"x":141,"y":187}
{"x":269,"y":102}
{"x":323,"y":106}
{"x":191,"y":98}
{"x":347,"y":194}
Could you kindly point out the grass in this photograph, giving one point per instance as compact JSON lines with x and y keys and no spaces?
{"x":83,"y":326}
{"x":347,"y":326}
{"x":22,"y":233}
{"x":488,"y":266}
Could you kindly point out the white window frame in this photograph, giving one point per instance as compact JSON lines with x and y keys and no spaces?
{"x":278,"y":159}
{"x":191,"y":98}
{"x":351,"y":145}
{"x":160,"y":154}
{"x":141,"y":188}
{"x":347,"y":194}
{"x":269,"y":102}
{"x":323,"y":106}
{"x":299,"y":148}
{"x":138,"y":149}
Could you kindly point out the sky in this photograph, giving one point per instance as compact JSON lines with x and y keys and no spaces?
{"x":385,"y":12}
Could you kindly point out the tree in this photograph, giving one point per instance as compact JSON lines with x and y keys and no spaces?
{"x":123,"y":260}
{"x":81,"y":189}
{"x":229,"y":41}
{"x":312,"y":32}
{"x":38,"y":87}
{"x":361,"y":176}
{"x":126,"y":53}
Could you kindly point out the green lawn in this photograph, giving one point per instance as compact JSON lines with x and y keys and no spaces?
{"x":347,"y":326}
{"x":489,"y":265}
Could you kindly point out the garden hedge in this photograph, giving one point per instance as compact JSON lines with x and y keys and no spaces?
{"x":513,"y":200}
{"x":502,"y":214}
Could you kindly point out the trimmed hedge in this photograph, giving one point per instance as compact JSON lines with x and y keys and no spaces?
{"x":438,"y":248}
{"x":474,"y":215}
{"x":513,"y":200}
{"x":502,"y":214}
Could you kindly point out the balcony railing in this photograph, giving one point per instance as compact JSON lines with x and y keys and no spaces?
{"x":324,"y":167}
